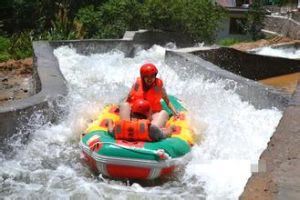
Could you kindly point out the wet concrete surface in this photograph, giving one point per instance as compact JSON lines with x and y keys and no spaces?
{"x":281,"y":179}
{"x":286,"y":82}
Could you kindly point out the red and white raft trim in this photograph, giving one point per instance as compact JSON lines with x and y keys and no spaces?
{"x":130,"y":168}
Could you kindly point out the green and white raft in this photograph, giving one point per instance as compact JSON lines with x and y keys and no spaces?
{"x":123,"y":159}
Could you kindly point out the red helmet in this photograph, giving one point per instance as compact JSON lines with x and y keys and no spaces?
{"x":141,"y":106}
{"x":148,"y":69}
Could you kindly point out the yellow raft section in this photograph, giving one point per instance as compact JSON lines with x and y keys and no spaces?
{"x":183,"y":129}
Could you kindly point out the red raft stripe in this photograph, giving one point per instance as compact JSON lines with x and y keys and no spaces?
{"x":167,"y":171}
{"x":90,"y":162}
{"x":131,"y":172}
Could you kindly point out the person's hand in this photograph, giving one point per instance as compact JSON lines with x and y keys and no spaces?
{"x":175,"y":114}
{"x":173,"y":128}
{"x":110,"y":125}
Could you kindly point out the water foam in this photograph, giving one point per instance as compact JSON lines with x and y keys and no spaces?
{"x":290,"y":52}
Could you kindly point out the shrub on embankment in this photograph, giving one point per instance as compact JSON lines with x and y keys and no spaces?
{"x":18,"y":46}
{"x":26,"y":20}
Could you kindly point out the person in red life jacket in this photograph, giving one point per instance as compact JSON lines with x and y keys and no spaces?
{"x":139,"y":127}
{"x":150,"y":88}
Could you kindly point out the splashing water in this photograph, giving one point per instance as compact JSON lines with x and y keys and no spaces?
{"x":291,"y":52}
{"x":49,"y":166}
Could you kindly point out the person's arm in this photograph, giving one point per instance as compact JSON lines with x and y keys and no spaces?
{"x":129,"y":94}
{"x":110,"y":127}
{"x":133,"y":87}
{"x":169,"y":104}
{"x":157,"y":134}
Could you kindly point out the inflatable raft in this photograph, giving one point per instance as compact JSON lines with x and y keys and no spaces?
{"x":123,"y":159}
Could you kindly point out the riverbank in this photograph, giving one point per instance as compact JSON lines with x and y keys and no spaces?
{"x":16,"y":79}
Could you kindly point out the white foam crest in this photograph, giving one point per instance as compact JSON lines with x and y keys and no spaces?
{"x":291,"y":52}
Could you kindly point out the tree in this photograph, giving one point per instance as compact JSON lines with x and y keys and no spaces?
{"x":255,"y":19}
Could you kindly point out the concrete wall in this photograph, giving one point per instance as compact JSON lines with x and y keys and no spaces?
{"x":96,"y":46}
{"x":257,"y":94}
{"x":283,"y":26}
{"x":148,"y":38}
{"x":252,"y":66}
{"x":50,"y":88}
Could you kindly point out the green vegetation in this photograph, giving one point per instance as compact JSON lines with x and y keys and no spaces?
{"x":4,"y":46}
{"x":230,"y":41}
{"x":18,"y":46}
{"x":22,"y":21}
{"x":255,"y":18}
{"x":200,"y":19}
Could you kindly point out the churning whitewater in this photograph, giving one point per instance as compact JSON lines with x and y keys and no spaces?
{"x":232,"y":134}
{"x":290,"y":52}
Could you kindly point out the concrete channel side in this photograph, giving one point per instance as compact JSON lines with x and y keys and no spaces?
{"x":280,"y":178}
{"x":50,"y":86}
{"x":249,"y":65}
{"x":87,"y":47}
{"x":257,"y":94}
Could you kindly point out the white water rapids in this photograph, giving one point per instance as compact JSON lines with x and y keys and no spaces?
{"x":290,"y":52}
{"x":48,"y":165}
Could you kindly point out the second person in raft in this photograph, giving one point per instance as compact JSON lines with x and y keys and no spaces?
{"x":139,"y":127}
{"x":150,"y":88}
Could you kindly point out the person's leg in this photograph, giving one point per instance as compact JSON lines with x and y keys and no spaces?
{"x":159,"y":119}
{"x":125,"y":111}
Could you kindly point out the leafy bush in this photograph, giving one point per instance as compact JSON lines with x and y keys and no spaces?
{"x":4,"y":47}
{"x":229,"y":41}
{"x":4,"y":56}
{"x":255,"y":19}
{"x":117,"y":16}
{"x":4,"y":43}
{"x":62,"y":25}
{"x":88,"y":22}
{"x":199,"y":19}
{"x":16,"y":47}
{"x":163,"y":15}
{"x":20,"y":45}
{"x":202,"y":19}
{"x":68,"y":19}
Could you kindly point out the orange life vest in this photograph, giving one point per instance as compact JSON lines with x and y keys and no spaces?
{"x":132,"y":130}
{"x":153,"y":95}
